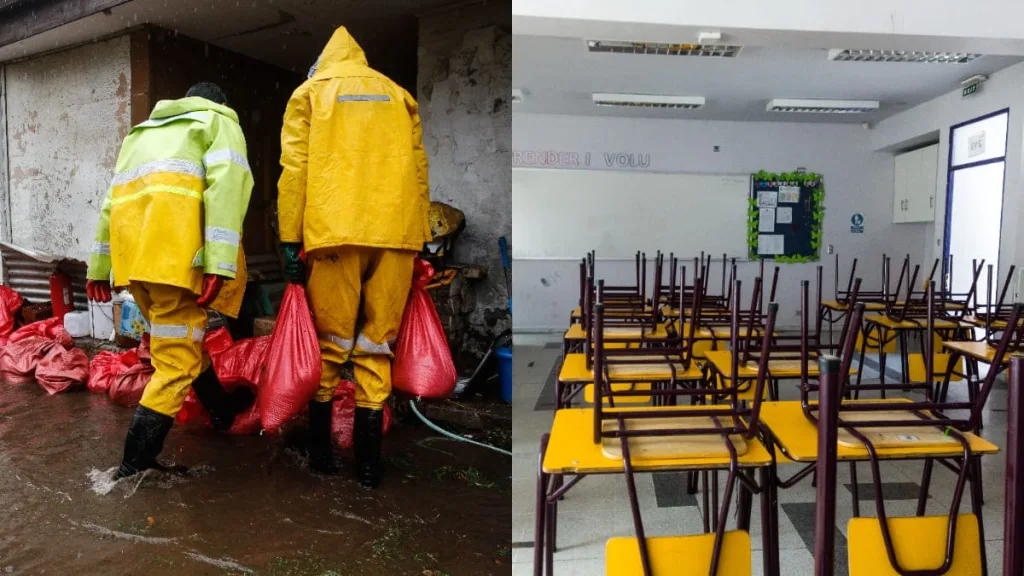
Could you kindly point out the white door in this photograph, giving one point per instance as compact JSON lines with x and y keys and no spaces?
{"x":975,"y":200}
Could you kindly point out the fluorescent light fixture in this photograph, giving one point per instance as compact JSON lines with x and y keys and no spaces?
{"x":517,"y":96}
{"x":821,"y":106}
{"x":847,"y":55}
{"x":664,"y":48}
{"x":649,"y":101}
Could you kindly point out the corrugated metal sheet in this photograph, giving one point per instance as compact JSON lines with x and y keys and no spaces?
{"x":28,"y":273}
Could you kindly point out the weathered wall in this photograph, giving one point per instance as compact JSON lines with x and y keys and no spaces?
{"x":67,"y":113}
{"x":465,"y":77}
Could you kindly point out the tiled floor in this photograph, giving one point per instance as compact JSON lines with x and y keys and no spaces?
{"x":667,"y":509}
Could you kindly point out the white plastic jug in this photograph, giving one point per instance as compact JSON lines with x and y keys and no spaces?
{"x":78,"y":324}
{"x":102,"y":320}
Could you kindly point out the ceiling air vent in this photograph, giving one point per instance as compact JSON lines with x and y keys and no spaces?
{"x":517,"y":96}
{"x":664,"y":48}
{"x":822,"y":106}
{"x":649,"y":101}
{"x":845,"y":55}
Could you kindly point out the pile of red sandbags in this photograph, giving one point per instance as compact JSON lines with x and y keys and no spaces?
{"x":10,"y":303}
{"x":40,"y":351}
{"x":121,"y":376}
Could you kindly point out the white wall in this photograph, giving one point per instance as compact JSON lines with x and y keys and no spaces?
{"x":1005,"y":89}
{"x":67,"y":114}
{"x":856,"y":180}
{"x":992,"y":19}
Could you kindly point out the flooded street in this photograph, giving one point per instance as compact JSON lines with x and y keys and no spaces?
{"x":249,"y":505}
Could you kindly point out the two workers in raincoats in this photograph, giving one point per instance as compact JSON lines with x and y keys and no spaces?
{"x":354,"y":195}
{"x":170,"y":229}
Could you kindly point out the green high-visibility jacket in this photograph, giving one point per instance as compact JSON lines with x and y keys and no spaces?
{"x":176,"y":204}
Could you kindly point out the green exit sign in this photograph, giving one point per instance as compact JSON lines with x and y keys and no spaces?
{"x":970,"y":89}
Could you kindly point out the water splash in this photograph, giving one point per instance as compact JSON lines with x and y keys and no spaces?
{"x":123,"y":535}
{"x":222,"y":563}
{"x":102,"y":480}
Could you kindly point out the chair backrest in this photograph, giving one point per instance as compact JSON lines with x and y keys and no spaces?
{"x":742,"y":419}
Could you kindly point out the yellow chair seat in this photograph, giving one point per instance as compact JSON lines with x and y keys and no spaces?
{"x":654,"y":369}
{"x":588,"y":393}
{"x":890,"y":345}
{"x":576,"y":332}
{"x":572,"y":450}
{"x":679,"y":555}
{"x":908,"y":323}
{"x":841,"y":306}
{"x":920,"y":544}
{"x":917,"y":369}
{"x":612,"y":313}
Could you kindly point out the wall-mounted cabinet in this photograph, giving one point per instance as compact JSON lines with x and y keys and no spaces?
{"x":916,"y":176}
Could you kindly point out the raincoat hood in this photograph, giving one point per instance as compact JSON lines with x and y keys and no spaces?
{"x":165,"y":108}
{"x":342,"y":48}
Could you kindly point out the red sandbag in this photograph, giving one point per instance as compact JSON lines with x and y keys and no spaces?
{"x":128,"y":386}
{"x":10,"y":302}
{"x":238,"y":364}
{"x":62,"y":370}
{"x":217,"y":341}
{"x":51,"y":328}
{"x":18,"y":360}
{"x":344,"y":414}
{"x":293,"y":362}
{"x":105,"y":367}
{"x":423,"y":362}
{"x":242,"y":362}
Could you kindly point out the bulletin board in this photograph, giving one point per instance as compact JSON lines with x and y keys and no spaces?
{"x":785,"y":215}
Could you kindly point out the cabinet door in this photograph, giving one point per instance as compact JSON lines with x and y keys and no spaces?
{"x":900,"y":182}
{"x":921,"y":193}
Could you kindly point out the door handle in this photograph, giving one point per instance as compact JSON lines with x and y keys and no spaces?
{"x":931,"y":201}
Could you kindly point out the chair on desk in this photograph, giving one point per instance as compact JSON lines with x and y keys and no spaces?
{"x":638,"y":337}
{"x":612,"y":439}
{"x":920,"y":545}
{"x":878,"y":430}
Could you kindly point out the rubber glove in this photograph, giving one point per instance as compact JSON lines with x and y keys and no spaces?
{"x":211,"y":287}
{"x":98,"y":290}
{"x":294,"y":269}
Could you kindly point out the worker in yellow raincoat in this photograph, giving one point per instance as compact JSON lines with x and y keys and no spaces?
{"x":354,"y":194}
{"x":170,"y":229}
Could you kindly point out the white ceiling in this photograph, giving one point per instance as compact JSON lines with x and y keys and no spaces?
{"x":287,"y":33}
{"x":559,"y":75}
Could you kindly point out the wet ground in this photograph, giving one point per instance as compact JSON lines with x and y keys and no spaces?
{"x":249,"y":506}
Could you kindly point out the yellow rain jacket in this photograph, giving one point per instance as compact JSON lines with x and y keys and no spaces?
{"x":354,"y":168}
{"x":175,"y":207}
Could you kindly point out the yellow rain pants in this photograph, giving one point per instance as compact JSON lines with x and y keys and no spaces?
{"x":358,"y":295}
{"x":177,"y":327}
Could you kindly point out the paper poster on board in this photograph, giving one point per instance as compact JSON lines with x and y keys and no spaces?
{"x":789,"y":194}
{"x":784,"y":215}
{"x":767,"y":199}
{"x":771,"y":244}
{"x":766,"y":221}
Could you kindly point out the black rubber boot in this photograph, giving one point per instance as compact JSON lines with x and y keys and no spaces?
{"x":369,"y":434}
{"x":321,"y":450}
{"x":223,"y":407}
{"x":144,"y":442}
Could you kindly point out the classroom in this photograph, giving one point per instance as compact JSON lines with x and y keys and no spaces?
{"x":766,"y":275}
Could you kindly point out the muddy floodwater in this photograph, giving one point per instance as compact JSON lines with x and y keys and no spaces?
{"x":249,"y":506}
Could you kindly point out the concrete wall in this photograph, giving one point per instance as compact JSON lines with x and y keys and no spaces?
{"x":856,"y":180}
{"x":465,"y":76}
{"x":1003,"y":90}
{"x":67,"y":114}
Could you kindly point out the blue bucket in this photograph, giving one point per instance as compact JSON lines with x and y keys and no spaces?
{"x":505,"y":372}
